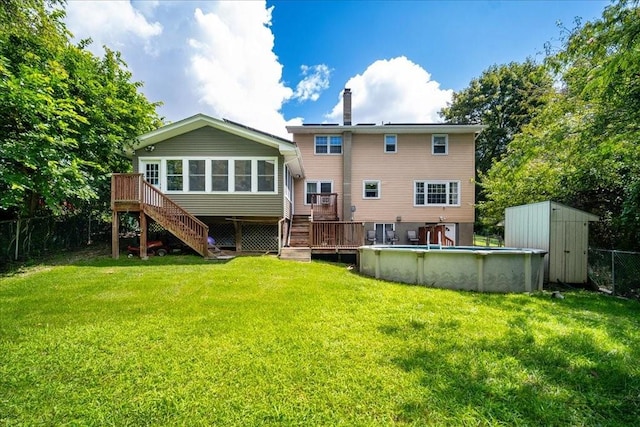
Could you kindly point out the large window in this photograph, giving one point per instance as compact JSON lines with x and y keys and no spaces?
{"x":314,"y":187}
{"x":371,"y":189}
{"x":331,"y":144}
{"x":174,"y":175}
{"x":439,"y":193}
{"x":219,"y":175}
{"x":242,"y":175}
{"x":266,"y":175}
{"x":439,"y":144}
{"x":390,"y":144}
{"x":197,"y":175}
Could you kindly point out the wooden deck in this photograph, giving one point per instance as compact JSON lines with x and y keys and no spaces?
{"x":336,"y":236}
{"x":131,"y":193}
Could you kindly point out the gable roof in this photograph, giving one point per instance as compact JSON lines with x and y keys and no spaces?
{"x":287,"y":149}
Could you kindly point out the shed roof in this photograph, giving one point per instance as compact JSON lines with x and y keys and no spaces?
{"x":586,"y":216}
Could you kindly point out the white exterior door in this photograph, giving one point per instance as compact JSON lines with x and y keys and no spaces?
{"x":151,"y":172}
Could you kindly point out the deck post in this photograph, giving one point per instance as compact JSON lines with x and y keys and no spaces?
{"x":143,"y":236}
{"x":115,"y":237}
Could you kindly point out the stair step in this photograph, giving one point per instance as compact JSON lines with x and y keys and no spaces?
{"x":296,"y":254}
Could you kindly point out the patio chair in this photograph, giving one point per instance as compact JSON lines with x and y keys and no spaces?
{"x":391,"y":237}
{"x":371,"y":236}
{"x":412,"y":236}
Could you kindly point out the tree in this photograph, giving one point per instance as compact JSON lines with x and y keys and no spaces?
{"x":504,"y":99}
{"x":65,"y":115}
{"x":583,"y":149}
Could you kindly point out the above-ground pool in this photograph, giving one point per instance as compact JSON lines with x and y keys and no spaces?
{"x":471,"y":268}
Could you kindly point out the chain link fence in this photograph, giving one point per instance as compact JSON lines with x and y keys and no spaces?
{"x":615,"y":271}
{"x":30,"y":238}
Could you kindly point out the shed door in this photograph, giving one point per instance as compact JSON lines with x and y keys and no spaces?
{"x":574,"y":266}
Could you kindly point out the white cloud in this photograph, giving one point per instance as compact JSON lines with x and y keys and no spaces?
{"x":112,"y":23}
{"x":395,"y":90}
{"x":238,"y":76}
{"x":315,"y":81}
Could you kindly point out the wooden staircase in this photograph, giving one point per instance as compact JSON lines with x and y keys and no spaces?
{"x":299,"y":248}
{"x":129,"y":192}
{"x":300,"y":231}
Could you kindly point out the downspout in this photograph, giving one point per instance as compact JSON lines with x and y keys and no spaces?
{"x":280,"y":221}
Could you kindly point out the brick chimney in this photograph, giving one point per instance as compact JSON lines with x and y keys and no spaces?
{"x":346,"y":107}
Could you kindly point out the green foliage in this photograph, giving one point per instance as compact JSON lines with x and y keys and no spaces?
{"x":504,"y":99}
{"x":65,"y":115}
{"x":583,"y":149}
{"x":258,"y":341}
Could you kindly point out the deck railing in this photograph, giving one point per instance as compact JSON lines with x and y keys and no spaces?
{"x":337,"y":234}
{"x":125,"y":188}
{"x":131,"y":188}
{"x":324,"y":206}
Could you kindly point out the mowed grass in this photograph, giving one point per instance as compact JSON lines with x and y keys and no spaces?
{"x":260,"y":341}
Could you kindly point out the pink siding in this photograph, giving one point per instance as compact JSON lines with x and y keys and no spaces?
{"x":396,"y":172}
{"x":317,"y":168}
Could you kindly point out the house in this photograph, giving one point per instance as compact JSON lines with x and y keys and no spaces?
{"x":393,"y":177}
{"x":202,"y":176}
{"x":248,"y":189}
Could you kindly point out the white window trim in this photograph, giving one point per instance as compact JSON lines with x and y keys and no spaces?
{"x":364,"y":189}
{"x":433,"y":181}
{"x":446,"y":144}
{"x":186,"y":182}
{"x":384,"y":142}
{"x":208,"y":171}
{"x":328,"y":153}
{"x":317,"y":181}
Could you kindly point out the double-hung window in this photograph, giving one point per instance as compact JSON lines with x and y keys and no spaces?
{"x":439,"y":144}
{"x":436,"y":193}
{"x":243,"y":175}
{"x":390,"y":143}
{"x":197,"y":175}
{"x":328,"y":144}
{"x":219,"y":175}
{"x":314,"y":187}
{"x":174,"y":175}
{"x":371,"y":189}
{"x":266,"y":175}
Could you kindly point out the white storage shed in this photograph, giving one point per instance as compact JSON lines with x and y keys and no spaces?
{"x":558,"y":229}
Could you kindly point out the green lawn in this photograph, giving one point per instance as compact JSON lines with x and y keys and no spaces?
{"x":259,"y":341}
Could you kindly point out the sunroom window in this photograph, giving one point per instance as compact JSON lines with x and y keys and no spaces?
{"x":197,"y":175}
{"x":174,"y":175}
{"x":266,"y":175}
{"x":219,"y":175}
{"x":243,"y":175}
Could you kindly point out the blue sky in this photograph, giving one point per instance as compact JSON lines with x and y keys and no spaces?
{"x":268,"y":64}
